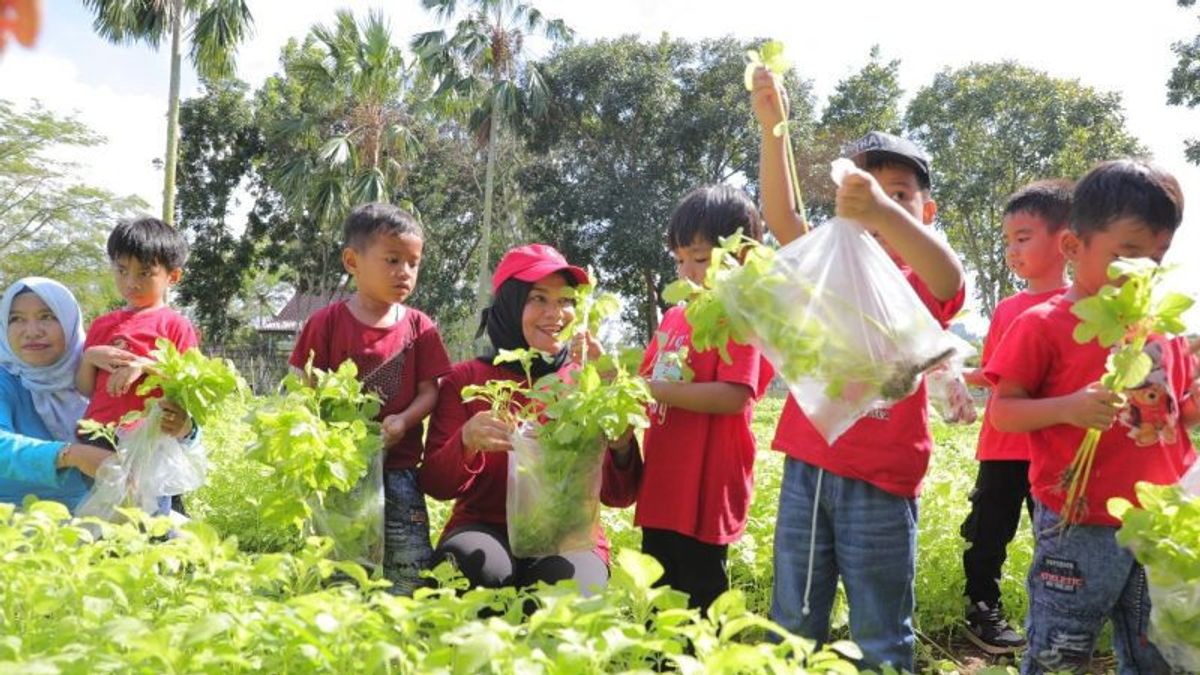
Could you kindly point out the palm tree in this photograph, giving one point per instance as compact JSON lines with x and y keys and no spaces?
{"x":214,"y":27}
{"x":342,"y":137}
{"x":481,"y":66}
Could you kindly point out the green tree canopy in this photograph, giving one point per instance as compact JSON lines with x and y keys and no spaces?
{"x":1183,"y":87}
{"x":992,"y":128}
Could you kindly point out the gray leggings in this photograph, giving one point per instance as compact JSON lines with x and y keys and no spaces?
{"x":482,"y":554}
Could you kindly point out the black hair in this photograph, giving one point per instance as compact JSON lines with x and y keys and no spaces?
{"x":713,"y":212}
{"x":874,"y":159}
{"x":1049,"y":200}
{"x":1126,"y":188}
{"x":368,"y":220}
{"x":150,"y":241}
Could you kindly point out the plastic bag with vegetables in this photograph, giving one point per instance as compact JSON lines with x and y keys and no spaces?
{"x":354,"y":519}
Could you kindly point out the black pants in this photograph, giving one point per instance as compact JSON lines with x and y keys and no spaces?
{"x":1000,"y":488}
{"x":482,"y":554}
{"x":690,"y":565}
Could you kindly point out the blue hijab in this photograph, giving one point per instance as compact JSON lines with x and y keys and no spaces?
{"x":52,"y":387}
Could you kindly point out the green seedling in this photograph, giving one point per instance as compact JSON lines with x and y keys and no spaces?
{"x":771,"y":56}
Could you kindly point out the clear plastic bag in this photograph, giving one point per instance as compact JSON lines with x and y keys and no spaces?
{"x":869,"y":338}
{"x":354,"y":520}
{"x":947,"y":389}
{"x":553,"y":499}
{"x":147,"y":465}
{"x":1175,"y":604}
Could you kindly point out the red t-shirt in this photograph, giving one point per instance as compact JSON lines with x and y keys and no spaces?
{"x":479,"y":489}
{"x":134,"y":331}
{"x":997,"y":445}
{"x":889,"y":447}
{"x":1148,"y":442}
{"x":391,"y":361}
{"x":699,"y":471}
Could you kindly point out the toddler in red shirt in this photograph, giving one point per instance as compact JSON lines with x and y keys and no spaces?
{"x":147,"y":258}
{"x":699,"y":450}
{"x":1047,"y":385}
{"x":400,"y":356}
{"x":1033,"y":220}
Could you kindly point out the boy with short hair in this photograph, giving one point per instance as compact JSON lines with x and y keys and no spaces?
{"x":850,"y":509}
{"x":1047,"y":385}
{"x":1033,"y":220}
{"x":399,"y":355}
{"x":147,"y":258}
{"x":699,"y":450}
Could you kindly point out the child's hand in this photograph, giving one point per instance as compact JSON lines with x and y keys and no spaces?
{"x":108,"y":358}
{"x":393,"y":429}
{"x":1092,"y":407}
{"x":484,"y":433}
{"x":584,"y":341}
{"x":861,"y":198}
{"x":124,"y":377}
{"x":175,"y":420}
{"x":86,"y":458}
{"x":766,"y":98}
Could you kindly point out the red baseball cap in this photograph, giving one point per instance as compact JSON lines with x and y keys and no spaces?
{"x":533,"y":262}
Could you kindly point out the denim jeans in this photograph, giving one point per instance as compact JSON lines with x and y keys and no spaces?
{"x":406,"y":532}
{"x":1080,"y":578}
{"x":862,"y":533}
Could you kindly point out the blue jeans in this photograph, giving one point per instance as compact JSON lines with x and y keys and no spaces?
{"x":406,"y":548}
{"x":866,"y":535}
{"x":1079,"y":579}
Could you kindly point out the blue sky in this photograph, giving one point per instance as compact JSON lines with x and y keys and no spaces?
{"x":1109,"y":44}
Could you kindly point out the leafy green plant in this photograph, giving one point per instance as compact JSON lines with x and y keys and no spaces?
{"x":1164,"y":535}
{"x":318,"y":441}
{"x":197,"y":383}
{"x":1123,"y":317}
{"x":771,"y":56}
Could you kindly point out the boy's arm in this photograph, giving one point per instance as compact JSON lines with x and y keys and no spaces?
{"x":1013,"y":411}
{"x":395,"y":426}
{"x":712,"y":398}
{"x":861,"y":198}
{"x":85,"y":377}
{"x":774,"y":175}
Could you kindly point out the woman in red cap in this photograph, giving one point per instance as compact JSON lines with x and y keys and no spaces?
{"x":466,"y":456}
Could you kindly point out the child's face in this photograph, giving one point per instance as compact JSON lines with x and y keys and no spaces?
{"x":692,"y":261}
{"x":548,"y":309}
{"x":386,"y":269}
{"x":143,"y":285}
{"x":1123,"y":238}
{"x":34,"y":333}
{"x":1031,"y":250}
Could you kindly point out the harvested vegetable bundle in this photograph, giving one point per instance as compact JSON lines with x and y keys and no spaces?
{"x":1121,"y":317}
{"x":324,"y":455}
{"x":1164,"y":535}
{"x":149,"y":464}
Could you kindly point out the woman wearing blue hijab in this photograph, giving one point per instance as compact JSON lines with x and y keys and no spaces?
{"x":40,"y":346}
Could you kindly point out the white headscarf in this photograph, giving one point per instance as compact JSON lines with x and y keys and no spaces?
{"x":52,"y":387}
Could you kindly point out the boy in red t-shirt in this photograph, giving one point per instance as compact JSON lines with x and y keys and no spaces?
{"x":147,"y":258}
{"x":699,"y":450}
{"x":400,"y":356}
{"x":1047,"y":385}
{"x":1034,"y":218}
{"x":850,"y":509}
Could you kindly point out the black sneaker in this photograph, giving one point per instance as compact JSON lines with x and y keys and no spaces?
{"x":990,"y":631}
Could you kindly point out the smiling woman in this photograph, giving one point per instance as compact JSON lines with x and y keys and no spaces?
{"x":40,"y":347}
{"x":468,"y":451}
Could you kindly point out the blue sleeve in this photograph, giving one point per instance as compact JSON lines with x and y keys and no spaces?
{"x":25,"y":458}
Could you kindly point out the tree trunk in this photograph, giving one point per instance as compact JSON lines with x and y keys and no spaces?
{"x":169,"y":160}
{"x":483,"y":291}
{"x":651,"y":306}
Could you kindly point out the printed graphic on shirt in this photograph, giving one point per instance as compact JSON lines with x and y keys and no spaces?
{"x":1151,"y":412}
{"x":670,"y":365}
{"x":384,"y":380}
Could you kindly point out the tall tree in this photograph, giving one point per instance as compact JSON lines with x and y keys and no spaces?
{"x":219,"y":142}
{"x":214,"y":30}
{"x":337,"y":125}
{"x":992,"y":128}
{"x":636,"y":126}
{"x":1183,"y":88}
{"x":481,"y":67}
{"x":50,"y":224}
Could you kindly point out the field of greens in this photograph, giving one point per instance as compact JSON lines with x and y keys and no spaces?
{"x":234,"y":593}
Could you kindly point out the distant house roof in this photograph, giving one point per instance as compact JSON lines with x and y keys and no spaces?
{"x":291,"y":318}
